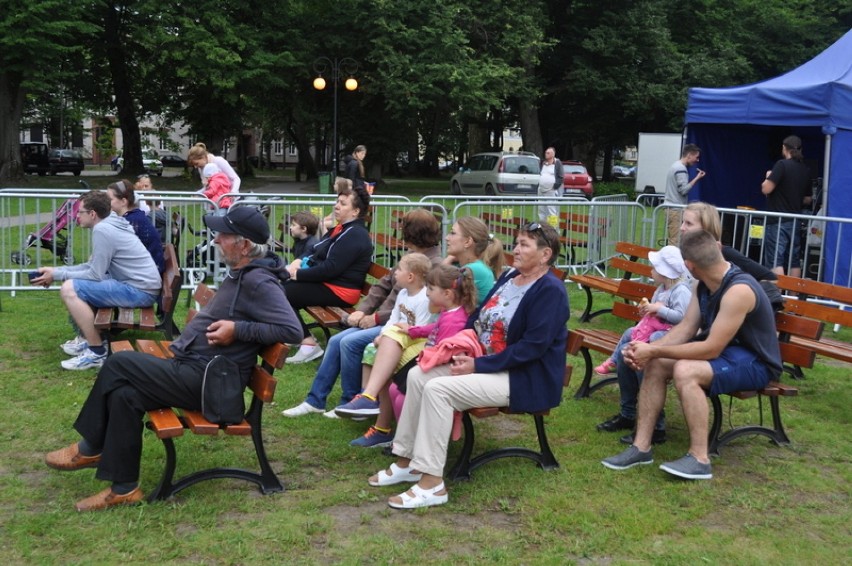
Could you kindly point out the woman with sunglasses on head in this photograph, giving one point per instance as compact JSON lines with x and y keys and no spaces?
{"x":123,"y":202}
{"x":522,"y":327}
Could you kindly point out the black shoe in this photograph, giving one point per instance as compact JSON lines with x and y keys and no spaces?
{"x":658,"y":437}
{"x":617,"y":423}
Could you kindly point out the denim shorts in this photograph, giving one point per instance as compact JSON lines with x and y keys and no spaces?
{"x":738,"y":369}
{"x":112,"y":293}
{"x":778,"y":239}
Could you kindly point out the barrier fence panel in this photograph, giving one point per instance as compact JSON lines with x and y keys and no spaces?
{"x":821,"y":254}
{"x":38,"y":228}
{"x":588,"y":230}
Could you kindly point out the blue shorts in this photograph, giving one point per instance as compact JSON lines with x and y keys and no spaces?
{"x":738,"y":369}
{"x":111,"y":293}
{"x":778,"y":239}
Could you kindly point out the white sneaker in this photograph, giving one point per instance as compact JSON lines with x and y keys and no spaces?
{"x":305,"y":355}
{"x":301,"y":410}
{"x":75,"y":347}
{"x":87,"y":359}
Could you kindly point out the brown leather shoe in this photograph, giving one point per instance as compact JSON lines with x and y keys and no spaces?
{"x":107,"y":498}
{"x":69,"y":459}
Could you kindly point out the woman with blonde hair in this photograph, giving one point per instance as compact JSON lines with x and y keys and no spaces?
{"x":704,"y":216}
{"x":469,"y":244}
{"x":198,"y":157}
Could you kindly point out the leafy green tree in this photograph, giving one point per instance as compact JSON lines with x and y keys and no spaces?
{"x":34,"y":36}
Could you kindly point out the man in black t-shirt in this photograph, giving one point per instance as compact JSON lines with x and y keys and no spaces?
{"x":786,"y":188}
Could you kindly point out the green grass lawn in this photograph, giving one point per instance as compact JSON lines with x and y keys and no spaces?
{"x":766,"y":504}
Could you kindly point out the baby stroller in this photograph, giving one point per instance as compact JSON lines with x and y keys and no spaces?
{"x":51,"y":236}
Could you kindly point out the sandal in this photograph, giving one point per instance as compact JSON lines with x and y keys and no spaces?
{"x":421,"y":498}
{"x":397,"y":475}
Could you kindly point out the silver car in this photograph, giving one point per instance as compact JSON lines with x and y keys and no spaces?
{"x":498,"y":173}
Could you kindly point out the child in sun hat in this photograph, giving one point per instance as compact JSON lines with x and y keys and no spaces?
{"x":665,"y":309}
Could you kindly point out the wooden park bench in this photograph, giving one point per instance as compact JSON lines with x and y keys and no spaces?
{"x":823,"y":302}
{"x":170,"y":423}
{"x":605,"y":341}
{"x":115,"y":320}
{"x":331,"y":318}
{"x":626,"y":264}
{"x":543,"y":457}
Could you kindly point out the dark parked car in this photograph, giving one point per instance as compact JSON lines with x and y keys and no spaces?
{"x":577,"y":181}
{"x":170,"y":159}
{"x":34,"y":157}
{"x":61,"y":160}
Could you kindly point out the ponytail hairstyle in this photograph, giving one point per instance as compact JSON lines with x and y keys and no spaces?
{"x":794,"y":146}
{"x":198,"y":152}
{"x":459,"y":281}
{"x":487,"y":248}
{"x":124,"y":190}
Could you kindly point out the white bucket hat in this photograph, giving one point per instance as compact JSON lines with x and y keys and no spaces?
{"x":668,"y":262}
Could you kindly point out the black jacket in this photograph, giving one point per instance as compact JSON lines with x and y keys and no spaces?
{"x":341,"y":260}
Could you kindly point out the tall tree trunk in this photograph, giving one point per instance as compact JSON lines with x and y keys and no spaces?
{"x":125,"y":106}
{"x":530,"y":128}
{"x":11,"y":108}
{"x":303,"y":148}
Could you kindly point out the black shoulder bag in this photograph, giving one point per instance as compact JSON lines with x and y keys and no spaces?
{"x":222,"y":392}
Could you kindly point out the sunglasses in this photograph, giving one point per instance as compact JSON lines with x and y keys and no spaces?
{"x":537,"y":227}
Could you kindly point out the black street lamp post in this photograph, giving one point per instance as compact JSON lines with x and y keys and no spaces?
{"x":336,"y":67}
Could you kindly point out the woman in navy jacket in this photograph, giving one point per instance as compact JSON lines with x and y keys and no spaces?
{"x":522,"y":326}
{"x":335,"y":273}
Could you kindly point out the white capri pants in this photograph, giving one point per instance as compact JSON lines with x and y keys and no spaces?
{"x":426,"y":422}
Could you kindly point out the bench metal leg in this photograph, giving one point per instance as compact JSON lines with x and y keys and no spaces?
{"x":586,"y":388}
{"x":165,"y":489}
{"x":464,"y":466}
{"x":776,"y":434}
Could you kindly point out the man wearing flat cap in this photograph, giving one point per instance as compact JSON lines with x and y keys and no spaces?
{"x":249,"y":311}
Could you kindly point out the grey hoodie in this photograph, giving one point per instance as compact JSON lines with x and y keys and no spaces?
{"x":117,"y":253}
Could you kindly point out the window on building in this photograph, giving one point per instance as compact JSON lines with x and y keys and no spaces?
{"x":292,"y":149}
{"x":277,"y":147}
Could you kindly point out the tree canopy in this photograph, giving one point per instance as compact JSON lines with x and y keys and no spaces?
{"x":438,"y":79}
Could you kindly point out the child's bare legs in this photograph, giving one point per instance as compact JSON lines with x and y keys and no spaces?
{"x":385,"y":418}
{"x":388,"y":354}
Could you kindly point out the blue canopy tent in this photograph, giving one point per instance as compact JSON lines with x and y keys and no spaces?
{"x":739,"y":130}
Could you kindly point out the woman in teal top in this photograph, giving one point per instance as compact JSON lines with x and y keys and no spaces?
{"x":470,"y":245}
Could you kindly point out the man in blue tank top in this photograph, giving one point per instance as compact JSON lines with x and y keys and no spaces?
{"x":726,"y":342}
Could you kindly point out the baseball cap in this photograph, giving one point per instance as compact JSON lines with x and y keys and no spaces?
{"x":668,"y":262}
{"x":245,"y":221}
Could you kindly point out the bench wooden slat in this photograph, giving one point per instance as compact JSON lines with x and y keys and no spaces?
{"x":147,"y":319}
{"x":165,"y":423}
{"x":813,"y":288}
{"x":263,"y":384}
{"x":125,"y":318}
{"x":631,"y":267}
{"x":198,"y":424}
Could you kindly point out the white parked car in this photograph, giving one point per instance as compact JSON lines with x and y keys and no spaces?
{"x":498,"y":173}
